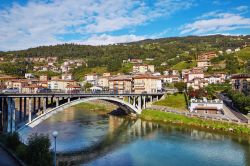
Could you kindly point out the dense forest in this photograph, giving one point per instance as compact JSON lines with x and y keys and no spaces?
{"x":169,"y":50}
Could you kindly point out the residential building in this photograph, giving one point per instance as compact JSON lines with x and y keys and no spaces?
{"x":206,"y":106}
{"x":103,"y":81}
{"x":61,"y":85}
{"x":170,"y":78}
{"x":91,"y":78}
{"x":171,"y":72}
{"x":194,"y":73}
{"x":215,"y":78}
{"x":143,"y":68}
{"x":206,"y":56}
{"x":43,"y":78}
{"x":135,"y":60}
{"x":203,"y":63}
{"x":67,"y":76}
{"x":121,"y":84}
{"x":241,"y":83}
{"x":29,"y":75}
{"x":147,"y":83}
{"x":197,"y":83}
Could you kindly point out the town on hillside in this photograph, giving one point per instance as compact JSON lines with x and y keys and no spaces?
{"x":206,"y":91}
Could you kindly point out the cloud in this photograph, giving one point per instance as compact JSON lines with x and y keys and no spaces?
{"x":105,"y":39}
{"x":216,"y":22}
{"x":50,"y":22}
{"x":242,"y":8}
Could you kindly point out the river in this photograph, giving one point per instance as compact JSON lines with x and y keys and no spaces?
{"x":87,"y":138}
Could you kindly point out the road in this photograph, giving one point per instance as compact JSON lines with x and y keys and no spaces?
{"x":6,"y":159}
{"x":231,"y":109}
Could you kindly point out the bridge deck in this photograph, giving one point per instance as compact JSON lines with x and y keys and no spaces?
{"x":76,"y":94}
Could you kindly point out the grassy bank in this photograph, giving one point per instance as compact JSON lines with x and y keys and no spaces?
{"x":159,"y":116}
{"x":176,"y":101}
{"x":95,"y":107}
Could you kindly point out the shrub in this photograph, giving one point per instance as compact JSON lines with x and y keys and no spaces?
{"x":38,"y":152}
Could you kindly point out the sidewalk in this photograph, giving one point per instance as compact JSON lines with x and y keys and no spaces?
{"x":6,"y":159}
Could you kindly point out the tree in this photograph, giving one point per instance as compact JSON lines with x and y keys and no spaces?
{"x":181,"y":86}
{"x":86,"y":86}
{"x":38,"y":152}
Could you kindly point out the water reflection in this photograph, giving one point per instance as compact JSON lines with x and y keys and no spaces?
{"x":91,"y":139}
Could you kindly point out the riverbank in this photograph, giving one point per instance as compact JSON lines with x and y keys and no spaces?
{"x":166,"y":117}
{"x":96,"y":106}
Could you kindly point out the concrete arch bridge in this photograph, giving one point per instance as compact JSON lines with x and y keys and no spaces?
{"x":20,"y":111}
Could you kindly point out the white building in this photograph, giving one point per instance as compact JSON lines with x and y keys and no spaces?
{"x":91,"y":78}
{"x":206,"y":106}
{"x":143,"y":68}
{"x":29,"y":75}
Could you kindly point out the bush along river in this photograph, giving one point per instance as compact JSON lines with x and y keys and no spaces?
{"x":88,"y":137}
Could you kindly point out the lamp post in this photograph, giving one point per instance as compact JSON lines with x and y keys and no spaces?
{"x":55,"y":134}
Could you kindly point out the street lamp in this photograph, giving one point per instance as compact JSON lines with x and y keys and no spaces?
{"x":55,"y":134}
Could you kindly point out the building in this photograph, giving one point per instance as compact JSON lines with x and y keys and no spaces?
{"x":29,"y":75}
{"x":241,"y":83}
{"x":206,"y":56}
{"x":203,"y":63}
{"x":135,"y":60}
{"x":103,"y":82}
{"x":143,"y":68}
{"x":43,"y":78}
{"x":170,"y":78}
{"x":147,"y":84}
{"x":194,"y":73}
{"x":215,"y":78}
{"x":17,"y":83}
{"x":121,"y":84}
{"x":61,"y":85}
{"x":206,"y":106}
{"x":91,"y":78}
{"x":197,"y":83}
{"x":67,"y":76}
{"x":171,"y":72}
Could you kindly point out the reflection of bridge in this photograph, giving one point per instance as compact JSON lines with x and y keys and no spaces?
{"x":126,"y":132}
{"x":19,"y":110}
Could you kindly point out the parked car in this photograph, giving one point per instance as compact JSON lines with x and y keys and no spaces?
{"x":44,"y":90}
{"x":11,"y":90}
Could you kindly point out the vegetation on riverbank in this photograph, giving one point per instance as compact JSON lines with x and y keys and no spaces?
{"x":95,"y":107}
{"x":176,"y":101}
{"x":165,"y":117}
{"x":36,"y":152}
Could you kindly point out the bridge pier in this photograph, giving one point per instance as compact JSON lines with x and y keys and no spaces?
{"x":139,"y":103}
{"x":34,"y":104}
{"x":11,"y":115}
{"x":29,"y":109}
{"x":1,"y":114}
{"x":39,"y":104}
{"x":20,"y":108}
{"x":57,"y":101}
{"x":134,"y":102}
{"x":129,"y":100}
{"x":68,"y":99}
{"x":144,"y":102}
{"x":24,"y":108}
{"x":44,"y":104}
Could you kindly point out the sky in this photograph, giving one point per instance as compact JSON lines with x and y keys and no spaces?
{"x":31,"y":23}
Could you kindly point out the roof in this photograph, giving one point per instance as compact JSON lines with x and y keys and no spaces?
{"x":240,"y":76}
{"x":146,"y":76}
{"x":121,"y":78}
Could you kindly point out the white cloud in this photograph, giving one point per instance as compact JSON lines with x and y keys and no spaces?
{"x":217,"y":22}
{"x":242,"y":8}
{"x":105,"y":39}
{"x":42,"y":23}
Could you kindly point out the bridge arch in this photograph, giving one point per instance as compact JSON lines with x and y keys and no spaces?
{"x":64,"y":106}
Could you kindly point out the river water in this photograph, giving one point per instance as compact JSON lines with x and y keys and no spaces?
{"x":87,"y":138}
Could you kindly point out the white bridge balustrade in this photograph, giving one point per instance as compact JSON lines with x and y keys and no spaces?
{"x":18,"y":111}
